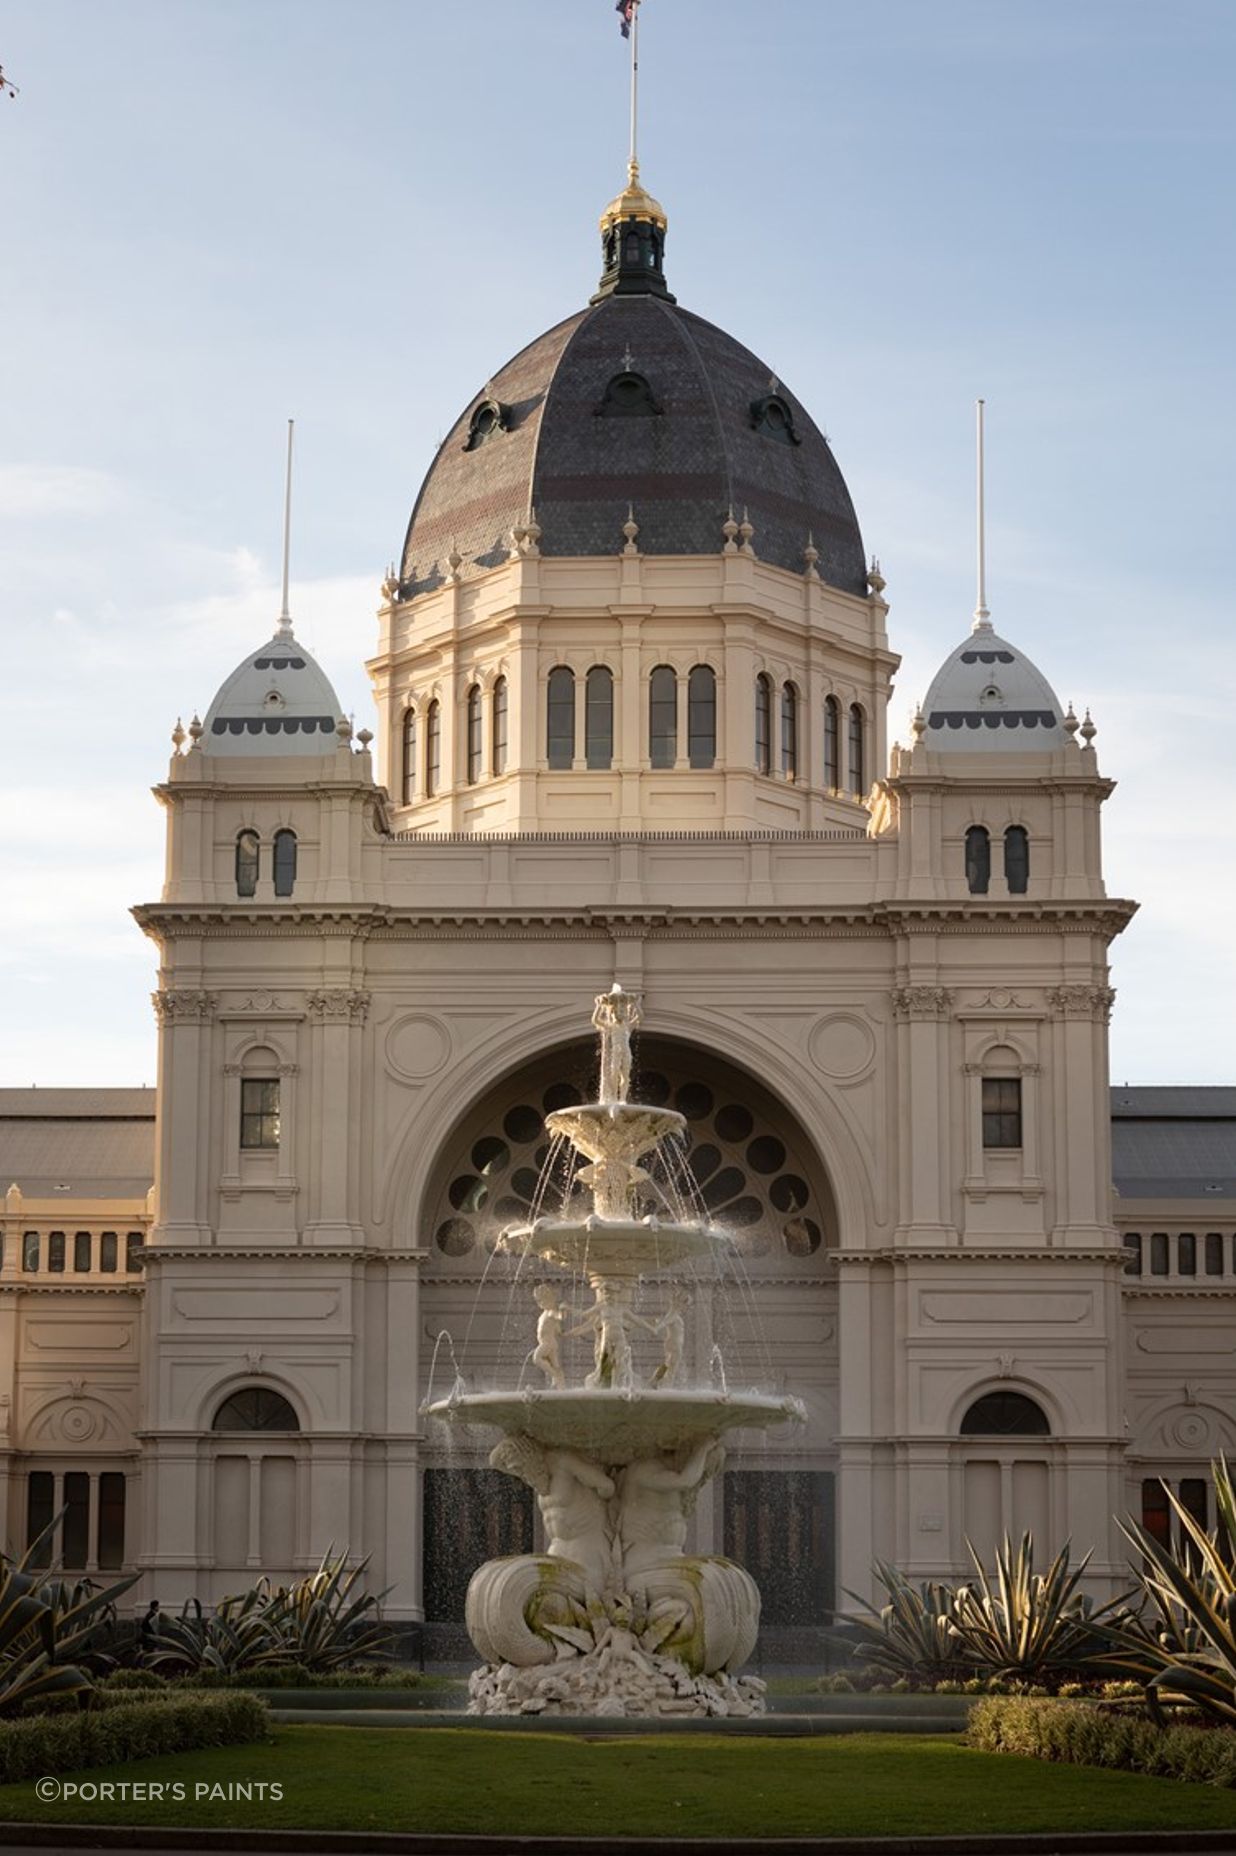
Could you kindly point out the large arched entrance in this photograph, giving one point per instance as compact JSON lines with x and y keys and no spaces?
{"x":767,"y":1316}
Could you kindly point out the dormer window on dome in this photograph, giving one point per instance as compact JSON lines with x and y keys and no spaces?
{"x":628,"y":396}
{"x":489,"y":418}
{"x":774,"y":416}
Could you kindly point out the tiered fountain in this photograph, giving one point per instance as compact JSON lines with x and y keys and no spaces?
{"x":614,"y":1618}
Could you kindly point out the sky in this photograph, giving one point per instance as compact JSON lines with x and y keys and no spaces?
{"x":216,"y":214}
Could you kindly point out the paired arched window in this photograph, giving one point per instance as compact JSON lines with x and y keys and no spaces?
{"x":763,"y":724}
{"x":560,"y":717}
{"x":285,"y":862}
{"x":1017,"y":859}
{"x":500,"y":723}
{"x":978,"y":860}
{"x":702,"y":716}
{"x":433,"y":748}
{"x":857,"y":752}
{"x":1005,"y":1414}
{"x":599,"y":718}
{"x":832,"y":744}
{"x":662,"y":717}
{"x":474,"y":734}
{"x":255,"y":1408}
{"x":248,"y":863}
{"x":789,"y":732}
{"x":409,"y":756}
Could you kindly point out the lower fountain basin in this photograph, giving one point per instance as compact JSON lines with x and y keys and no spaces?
{"x":613,"y":1247}
{"x":617,"y":1427}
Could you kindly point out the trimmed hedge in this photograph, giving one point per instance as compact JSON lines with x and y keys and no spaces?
{"x":127,"y":1730}
{"x":1078,"y":1733}
{"x":290,"y":1675}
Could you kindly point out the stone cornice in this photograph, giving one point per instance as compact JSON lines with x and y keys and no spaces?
{"x":968,"y":1254}
{"x":30,"y":1285}
{"x":1179,"y":1291}
{"x":283,"y":1253}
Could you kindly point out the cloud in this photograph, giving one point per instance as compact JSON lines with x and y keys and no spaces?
{"x":31,"y":491}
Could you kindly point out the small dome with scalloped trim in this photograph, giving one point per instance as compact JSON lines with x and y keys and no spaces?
{"x":988,"y":697}
{"x":278,"y":701}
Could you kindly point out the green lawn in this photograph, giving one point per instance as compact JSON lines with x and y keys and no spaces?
{"x":465,"y":1780}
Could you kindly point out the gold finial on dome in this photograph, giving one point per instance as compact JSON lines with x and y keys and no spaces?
{"x":634,"y":202}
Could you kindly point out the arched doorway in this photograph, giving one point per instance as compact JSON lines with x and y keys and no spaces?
{"x":766,"y":1316}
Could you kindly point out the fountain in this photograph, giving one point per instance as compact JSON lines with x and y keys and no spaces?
{"x":614,"y":1617}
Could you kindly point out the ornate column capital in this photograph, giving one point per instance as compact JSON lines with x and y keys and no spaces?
{"x":181,"y":1005}
{"x":340,"y":1004}
{"x":922,"y":1001}
{"x":1082,"y":1002}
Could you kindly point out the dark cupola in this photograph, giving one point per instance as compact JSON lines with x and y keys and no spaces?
{"x":633,"y":228}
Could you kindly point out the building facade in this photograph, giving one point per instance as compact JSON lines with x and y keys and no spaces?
{"x":631,"y":679}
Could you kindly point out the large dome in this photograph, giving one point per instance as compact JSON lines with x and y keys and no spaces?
{"x":633,"y":402}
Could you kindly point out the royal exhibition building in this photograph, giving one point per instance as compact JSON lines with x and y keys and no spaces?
{"x":631,"y":675}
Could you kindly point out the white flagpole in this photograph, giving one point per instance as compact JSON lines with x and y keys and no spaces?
{"x":981,"y":614}
{"x":285,"y":617}
{"x":634,"y":84}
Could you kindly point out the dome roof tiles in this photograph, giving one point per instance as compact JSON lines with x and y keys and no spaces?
{"x":713,"y":431}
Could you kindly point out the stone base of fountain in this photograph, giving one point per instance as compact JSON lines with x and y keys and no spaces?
{"x":613,"y":1683}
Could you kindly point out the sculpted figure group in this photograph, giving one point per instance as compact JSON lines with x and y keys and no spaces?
{"x":611,"y":1321}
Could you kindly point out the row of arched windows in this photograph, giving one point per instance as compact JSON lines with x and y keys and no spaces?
{"x":422,"y":760}
{"x":855,"y":769}
{"x":249,"y":862}
{"x":1016,"y":860}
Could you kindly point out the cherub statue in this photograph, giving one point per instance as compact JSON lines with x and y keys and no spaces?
{"x":548,"y":1355}
{"x":672,"y":1329}
{"x":611,"y":1319}
{"x":615,"y":1015}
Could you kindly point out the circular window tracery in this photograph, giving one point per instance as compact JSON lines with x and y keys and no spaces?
{"x":753,"y":1180}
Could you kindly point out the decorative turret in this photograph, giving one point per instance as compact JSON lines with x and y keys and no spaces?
{"x":633,"y":228}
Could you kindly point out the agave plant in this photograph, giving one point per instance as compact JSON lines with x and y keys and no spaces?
{"x":46,"y":1625}
{"x":323,"y":1622}
{"x":235,"y":1638}
{"x":1027,"y":1626}
{"x":914,"y":1633}
{"x":1183,"y":1649}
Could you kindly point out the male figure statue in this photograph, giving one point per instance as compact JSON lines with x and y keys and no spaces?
{"x":571,"y":1494}
{"x":655,"y":1501}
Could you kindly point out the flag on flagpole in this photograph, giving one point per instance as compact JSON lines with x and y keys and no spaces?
{"x":627,"y":10}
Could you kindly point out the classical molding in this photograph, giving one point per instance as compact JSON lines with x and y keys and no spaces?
{"x":339,"y":1004}
{"x":922,"y":1001}
{"x":1093,"y":1002}
{"x":176,"y":1005}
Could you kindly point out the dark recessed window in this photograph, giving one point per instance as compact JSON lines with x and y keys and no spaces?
{"x":285,"y":862}
{"x":474,"y":734}
{"x":702,"y":716}
{"x":1017,"y":859}
{"x":75,"y":1528}
{"x":255,"y":1408}
{"x":1132,"y":1253}
{"x":55,"y":1251}
{"x":107,"y":1253}
{"x":774,"y":417}
{"x":763,"y":724}
{"x":248,"y":863}
{"x":409,"y":756}
{"x":40,"y":1498}
{"x":662,"y":717}
{"x":1160,"y":1255}
{"x":501,"y":721}
{"x":1186,"y":1254}
{"x":81,"y":1252}
{"x":259,"y":1112}
{"x":433,"y":748}
{"x":134,"y":1247}
{"x":1005,"y":1414}
{"x":857,"y":751}
{"x":978,"y":860}
{"x":1156,"y":1511}
{"x":832,"y":744}
{"x":599,"y":718}
{"x":111,"y":1520}
{"x":560,"y":718}
{"x":1002,"y":1111}
{"x":30,"y":1252}
{"x":1214,"y":1253}
{"x":489,"y":418}
{"x":789,"y":732}
{"x":628,"y":396}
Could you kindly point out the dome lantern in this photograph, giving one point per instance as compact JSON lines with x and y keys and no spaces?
{"x":633,"y":228}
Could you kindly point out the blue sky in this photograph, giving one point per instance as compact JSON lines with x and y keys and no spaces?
{"x":217,"y":213}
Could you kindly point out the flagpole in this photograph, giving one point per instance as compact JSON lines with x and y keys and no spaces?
{"x":634,"y":83}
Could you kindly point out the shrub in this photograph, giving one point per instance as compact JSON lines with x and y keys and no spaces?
{"x":124,"y":1730}
{"x":292,"y":1676}
{"x":1082,"y":1733}
{"x":134,"y":1679}
{"x":318,"y":1623}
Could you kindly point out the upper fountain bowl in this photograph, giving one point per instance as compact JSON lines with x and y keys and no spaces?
{"x":615,"y":1249}
{"x":609,"y":1131}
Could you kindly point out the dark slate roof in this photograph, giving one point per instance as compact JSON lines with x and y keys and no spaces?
{"x":77,"y":1143}
{"x":1174,"y":1143}
{"x":681,"y":468}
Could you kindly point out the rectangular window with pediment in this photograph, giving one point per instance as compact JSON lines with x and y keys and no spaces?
{"x":259,"y":1112}
{"x":1001,"y":1111}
